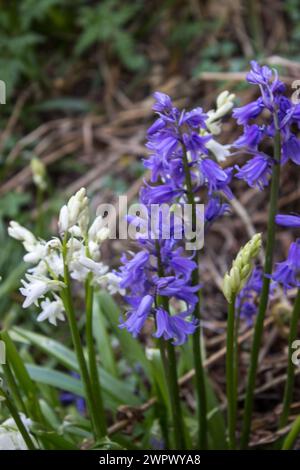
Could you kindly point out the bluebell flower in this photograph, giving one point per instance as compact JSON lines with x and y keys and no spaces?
{"x":249,"y":111}
{"x":68,"y":398}
{"x":173,"y":286}
{"x":138,"y":314}
{"x":195,"y":118}
{"x":291,"y":149}
{"x":174,"y":135}
{"x":195,"y":144}
{"x":173,"y":327}
{"x":288,"y":220}
{"x":159,"y":270}
{"x":215,"y":177}
{"x":257,"y":171}
{"x":163,"y":103}
{"x":251,"y":137}
{"x":246,"y":301}
{"x":259,"y":75}
{"x":133,"y":271}
{"x":287,"y":273}
{"x":160,"y":194}
{"x":283,"y":116}
{"x":215,"y":209}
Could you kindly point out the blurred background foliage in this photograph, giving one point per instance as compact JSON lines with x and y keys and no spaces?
{"x":68,"y":59}
{"x":64,"y":59}
{"x":60,"y":36}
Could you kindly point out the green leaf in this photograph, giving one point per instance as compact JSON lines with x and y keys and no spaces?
{"x":57,"y":379}
{"x":215,"y":422}
{"x":103,"y":340}
{"x":106,"y":444}
{"x":56,"y":440}
{"x":63,"y":354}
{"x":15,"y":361}
{"x":114,"y":389}
{"x":159,"y":376}
{"x":131,"y":349}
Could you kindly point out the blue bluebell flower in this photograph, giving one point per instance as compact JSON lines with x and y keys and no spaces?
{"x":215,"y":209}
{"x":68,"y":398}
{"x":216,"y":179}
{"x":249,"y":111}
{"x":159,"y":270}
{"x":246,"y":302}
{"x":257,"y":171}
{"x":172,"y":136}
{"x":288,"y":220}
{"x":287,"y":273}
{"x":160,"y":194}
{"x":291,"y":149}
{"x":251,"y":137}
{"x":173,"y":327}
{"x":282,"y":114}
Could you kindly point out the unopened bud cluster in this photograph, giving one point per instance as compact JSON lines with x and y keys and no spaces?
{"x":242,"y":267}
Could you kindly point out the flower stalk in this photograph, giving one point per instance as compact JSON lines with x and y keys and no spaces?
{"x":68,"y":304}
{"x":197,"y":337}
{"x":289,"y":384}
{"x":168,"y":356}
{"x":258,"y":330}
{"x":231,"y":370}
{"x":292,"y":435}
{"x":93,"y":369}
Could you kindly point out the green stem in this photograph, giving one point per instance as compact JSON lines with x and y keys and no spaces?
{"x":289,"y":384}
{"x":197,"y":337}
{"x":258,"y":330}
{"x":19,"y":423}
{"x":40,"y":212}
{"x":175,"y":398}
{"x":68,"y":304}
{"x":165,"y":409}
{"x":231,"y":375}
{"x":14,"y":388}
{"x":292,"y":435}
{"x":94,"y":373}
{"x":168,"y":356}
{"x":169,"y":361}
{"x":236,"y":356}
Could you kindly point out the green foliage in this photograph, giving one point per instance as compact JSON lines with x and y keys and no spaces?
{"x":108,"y":23}
{"x":292,"y":9}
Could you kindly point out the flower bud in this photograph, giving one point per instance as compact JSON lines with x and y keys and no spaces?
{"x":224,"y":98}
{"x":17,"y":231}
{"x":38,"y":173}
{"x":63,"y":221}
{"x":241,"y":269}
{"x":75,"y":212}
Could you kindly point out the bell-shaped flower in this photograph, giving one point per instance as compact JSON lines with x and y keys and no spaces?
{"x":52,"y":310}
{"x":37,"y":287}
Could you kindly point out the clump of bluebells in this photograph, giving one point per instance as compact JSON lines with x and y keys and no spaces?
{"x":176,"y":139}
{"x":272,"y":111}
{"x":287,"y":274}
{"x":271,"y":120}
{"x":185,"y":138}
{"x":159,"y":270}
